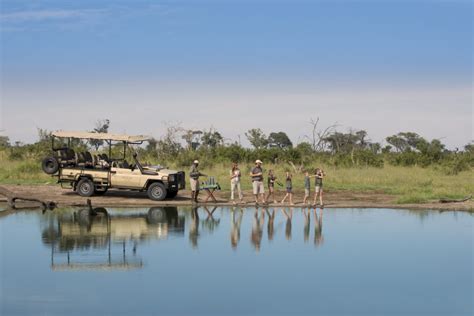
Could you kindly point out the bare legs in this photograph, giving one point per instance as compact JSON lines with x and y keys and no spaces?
{"x":306,"y":197}
{"x":271,"y":193}
{"x":288,"y":195}
{"x":320,"y":193}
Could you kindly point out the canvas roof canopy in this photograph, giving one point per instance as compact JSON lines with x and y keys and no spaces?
{"x":102,"y":136}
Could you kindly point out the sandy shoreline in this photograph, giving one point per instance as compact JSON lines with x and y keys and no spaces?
{"x":333,"y":199}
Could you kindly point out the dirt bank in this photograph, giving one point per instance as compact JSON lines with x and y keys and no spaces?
{"x":334,"y":199}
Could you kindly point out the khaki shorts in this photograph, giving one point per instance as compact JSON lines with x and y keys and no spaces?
{"x":318,"y":189}
{"x":194,"y":184}
{"x":258,"y":187}
{"x":306,"y":192}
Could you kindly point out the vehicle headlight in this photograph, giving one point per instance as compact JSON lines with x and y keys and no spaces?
{"x":171,"y":178}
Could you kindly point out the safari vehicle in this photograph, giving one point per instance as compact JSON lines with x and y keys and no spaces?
{"x":90,"y":174}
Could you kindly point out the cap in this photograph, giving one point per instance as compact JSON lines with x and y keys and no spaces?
{"x":258,"y":161}
{"x":196,"y":161}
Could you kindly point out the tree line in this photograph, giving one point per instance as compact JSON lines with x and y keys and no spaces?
{"x":179,"y":146}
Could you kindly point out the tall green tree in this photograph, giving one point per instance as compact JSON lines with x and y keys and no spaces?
{"x":279,"y":140}
{"x":4,"y":141}
{"x":257,"y":138}
{"x":212,"y":138}
{"x":101,"y":126}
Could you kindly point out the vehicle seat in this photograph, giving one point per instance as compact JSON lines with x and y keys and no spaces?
{"x":88,"y":159}
{"x":124,"y":164}
{"x":71,"y":157}
{"x":80,"y":160}
{"x":104,"y":157}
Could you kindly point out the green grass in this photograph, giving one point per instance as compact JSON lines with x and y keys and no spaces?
{"x":407,"y":184}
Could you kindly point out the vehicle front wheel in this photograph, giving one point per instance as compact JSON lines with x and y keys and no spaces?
{"x":85,"y":187}
{"x":156,"y":191}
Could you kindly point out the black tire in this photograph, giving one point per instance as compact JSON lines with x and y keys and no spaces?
{"x":85,"y":187}
{"x":171,"y":194}
{"x":50,"y":165}
{"x":156,"y":191}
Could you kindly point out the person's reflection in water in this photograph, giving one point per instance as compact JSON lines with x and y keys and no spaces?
{"x":194,"y":228}
{"x":257,"y":229}
{"x":289,"y":217}
{"x":318,"y":228}
{"x":270,"y":225}
{"x":307,"y":224}
{"x":235,"y":228}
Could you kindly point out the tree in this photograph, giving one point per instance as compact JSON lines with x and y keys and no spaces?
{"x":346,"y":142}
{"x":317,"y":136}
{"x":168,"y":146}
{"x":212,"y":138}
{"x":4,"y":141}
{"x":405,"y":141}
{"x":280,"y":140}
{"x":469,"y":148}
{"x":257,"y":138}
{"x":192,"y":139}
{"x":101,"y":126}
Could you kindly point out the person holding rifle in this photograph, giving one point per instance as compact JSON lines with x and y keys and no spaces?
{"x":194,"y":175}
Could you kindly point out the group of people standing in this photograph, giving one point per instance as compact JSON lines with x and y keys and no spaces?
{"x":258,"y":187}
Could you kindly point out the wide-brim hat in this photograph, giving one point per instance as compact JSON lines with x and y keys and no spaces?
{"x":258,"y":161}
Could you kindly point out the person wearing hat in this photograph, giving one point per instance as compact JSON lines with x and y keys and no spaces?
{"x":257,"y":181}
{"x":194,"y":175}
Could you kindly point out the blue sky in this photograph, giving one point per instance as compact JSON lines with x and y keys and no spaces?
{"x":383,"y":66}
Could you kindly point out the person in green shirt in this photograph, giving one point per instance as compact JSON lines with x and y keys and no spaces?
{"x":289,"y":188}
{"x":319,"y":175}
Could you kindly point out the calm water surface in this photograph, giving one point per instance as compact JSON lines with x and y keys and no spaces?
{"x":170,"y":261}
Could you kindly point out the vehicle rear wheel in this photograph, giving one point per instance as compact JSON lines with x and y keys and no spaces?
{"x":50,"y":165}
{"x":85,"y":187}
{"x":156,"y":191}
{"x":171,"y":194}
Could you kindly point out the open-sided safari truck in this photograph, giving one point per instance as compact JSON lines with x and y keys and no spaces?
{"x":90,"y":174}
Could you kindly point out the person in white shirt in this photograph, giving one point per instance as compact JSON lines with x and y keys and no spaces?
{"x":235,"y":186}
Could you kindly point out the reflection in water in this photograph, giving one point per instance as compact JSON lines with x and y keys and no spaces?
{"x":270,"y":225}
{"x":318,"y":229}
{"x":289,"y":217}
{"x":111,"y":239}
{"x":194,"y":227}
{"x":257,"y":229}
{"x":235,"y":228}
{"x":307,"y":224}
{"x":81,"y":241}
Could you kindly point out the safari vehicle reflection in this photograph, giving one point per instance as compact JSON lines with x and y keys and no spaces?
{"x":81,"y":241}
{"x":89,"y":174}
